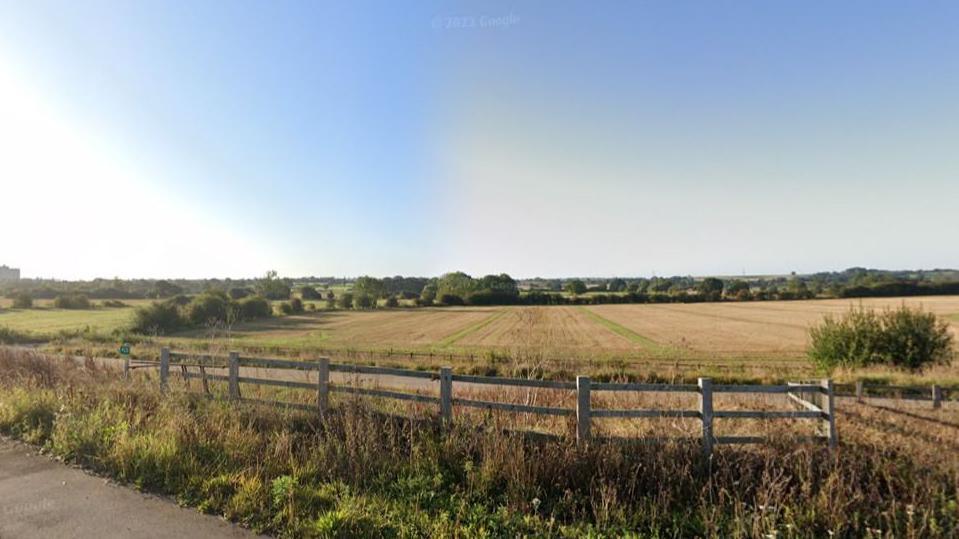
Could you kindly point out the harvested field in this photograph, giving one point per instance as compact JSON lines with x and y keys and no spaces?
{"x":749,"y":329}
{"x":402,"y":328}
{"x":559,"y":328}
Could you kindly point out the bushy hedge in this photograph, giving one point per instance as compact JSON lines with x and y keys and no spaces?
{"x":72,"y":301}
{"x":903,"y":337}
{"x":160,"y":317}
{"x":211,"y":307}
{"x":23,"y":300}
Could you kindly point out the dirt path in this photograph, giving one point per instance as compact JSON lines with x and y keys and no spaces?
{"x":43,"y":498}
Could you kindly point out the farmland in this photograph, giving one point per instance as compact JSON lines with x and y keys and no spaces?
{"x":748,"y":340}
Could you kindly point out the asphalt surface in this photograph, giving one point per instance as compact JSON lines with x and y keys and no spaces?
{"x":43,"y":498}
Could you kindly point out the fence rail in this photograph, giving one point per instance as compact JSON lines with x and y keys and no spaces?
{"x":819,"y":406}
{"x":861,"y":390}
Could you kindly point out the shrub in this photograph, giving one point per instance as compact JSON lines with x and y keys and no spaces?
{"x":294,"y":306}
{"x":239,"y":293}
{"x":903,"y":337}
{"x":308,"y":292}
{"x":23,"y":300}
{"x":210,"y":306}
{"x":364,"y":301}
{"x":71,"y":301}
{"x":158,"y":318}
{"x":254,"y":307}
{"x":451,"y":299}
{"x":345,"y":301}
{"x":113,"y":303}
{"x":392,"y":302}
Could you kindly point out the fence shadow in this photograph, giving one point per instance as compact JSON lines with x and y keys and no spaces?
{"x":912,"y":415}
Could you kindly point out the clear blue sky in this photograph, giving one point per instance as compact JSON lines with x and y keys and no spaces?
{"x":165,"y":138}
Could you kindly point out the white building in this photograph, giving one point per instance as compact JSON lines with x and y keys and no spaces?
{"x":9,"y":274}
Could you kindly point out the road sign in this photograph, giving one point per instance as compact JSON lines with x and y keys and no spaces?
{"x":124,"y":349}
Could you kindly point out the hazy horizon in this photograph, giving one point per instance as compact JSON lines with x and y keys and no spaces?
{"x":165,"y":139}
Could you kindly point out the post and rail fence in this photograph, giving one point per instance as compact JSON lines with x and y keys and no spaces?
{"x":814,"y":400}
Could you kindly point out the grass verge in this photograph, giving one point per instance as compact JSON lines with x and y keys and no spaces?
{"x":361,"y":473}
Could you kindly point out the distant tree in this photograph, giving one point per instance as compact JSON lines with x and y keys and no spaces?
{"x":737,"y":289}
{"x":363,"y":301}
{"x":272,"y":287}
{"x":428,"y":295}
{"x":345,"y":300}
{"x":239,"y":293}
{"x":166,"y":289}
{"x":369,"y":286}
{"x":616,"y":285}
{"x":575,"y":287}
{"x":309,"y":293}
{"x":451,"y":299}
{"x":392,"y":302}
{"x":72,"y":301}
{"x":711,"y":288}
{"x":455,"y":283}
{"x":22,"y":300}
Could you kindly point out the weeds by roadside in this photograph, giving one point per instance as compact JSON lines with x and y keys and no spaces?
{"x":361,"y":473}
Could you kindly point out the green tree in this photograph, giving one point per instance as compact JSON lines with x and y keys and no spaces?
{"x":428,"y":295}
{"x":345,"y":300}
{"x":272,"y":287}
{"x":23,"y":300}
{"x":575,"y":287}
{"x":369,"y":286}
{"x":616,"y":285}
{"x":309,"y":293}
{"x":711,"y":288}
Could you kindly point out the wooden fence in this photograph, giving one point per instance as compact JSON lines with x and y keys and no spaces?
{"x":861,"y":390}
{"x":814,"y":400}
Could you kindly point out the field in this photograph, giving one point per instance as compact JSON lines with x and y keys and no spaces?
{"x":726,"y":339}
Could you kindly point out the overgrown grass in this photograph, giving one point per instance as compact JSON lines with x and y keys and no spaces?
{"x":359,"y":473}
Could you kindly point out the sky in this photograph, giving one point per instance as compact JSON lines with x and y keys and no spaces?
{"x":158,"y":139}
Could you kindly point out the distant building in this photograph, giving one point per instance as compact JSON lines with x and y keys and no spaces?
{"x":9,"y":274}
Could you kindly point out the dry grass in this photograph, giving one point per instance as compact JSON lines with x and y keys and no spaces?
{"x":362,"y":473}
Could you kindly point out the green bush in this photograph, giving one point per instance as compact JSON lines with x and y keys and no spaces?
{"x":392,"y":302}
{"x":308,"y":292}
{"x":209,"y":307}
{"x":903,"y":337}
{"x":158,"y":318}
{"x":72,"y":301}
{"x":254,"y":307}
{"x":23,"y":300}
{"x":345,"y":301}
{"x":294,"y":306}
{"x":364,"y":301}
{"x":451,"y":299}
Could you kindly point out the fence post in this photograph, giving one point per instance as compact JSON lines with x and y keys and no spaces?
{"x":936,"y":397}
{"x":234,"y":375}
{"x":859,"y":390}
{"x":829,"y":408}
{"x":582,"y":408}
{"x":126,"y":367}
{"x":446,"y":394}
{"x":323,"y":385}
{"x":706,"y":413}
{"x":164,"y":368}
